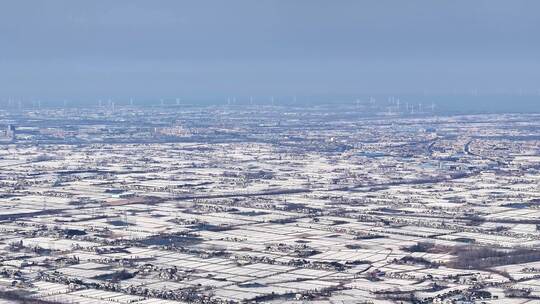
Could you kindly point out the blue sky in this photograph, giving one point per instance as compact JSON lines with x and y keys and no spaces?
{"x":86,"y":50}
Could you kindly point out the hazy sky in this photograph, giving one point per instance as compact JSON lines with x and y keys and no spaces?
{"x":80,"y":49}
